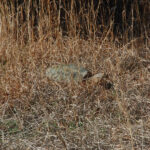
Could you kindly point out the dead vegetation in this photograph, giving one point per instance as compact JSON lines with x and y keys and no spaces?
{"x":37,"y":113}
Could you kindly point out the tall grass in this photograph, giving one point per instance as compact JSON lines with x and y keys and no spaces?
{"x":34,"y":19}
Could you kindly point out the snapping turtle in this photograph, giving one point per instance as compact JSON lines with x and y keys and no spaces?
{"x":71,"y":72}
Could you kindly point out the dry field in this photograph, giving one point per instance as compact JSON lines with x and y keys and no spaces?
{"x":37,"y":113}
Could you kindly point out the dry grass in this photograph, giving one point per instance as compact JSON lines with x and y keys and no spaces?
{"x":37,"y":113}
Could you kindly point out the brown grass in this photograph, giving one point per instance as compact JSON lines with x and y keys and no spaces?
{"x":37,"y":113}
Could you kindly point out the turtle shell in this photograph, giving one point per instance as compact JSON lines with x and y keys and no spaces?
{"x":67,"y":73}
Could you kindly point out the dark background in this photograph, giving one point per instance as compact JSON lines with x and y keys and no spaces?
{"x":127,"y":15}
